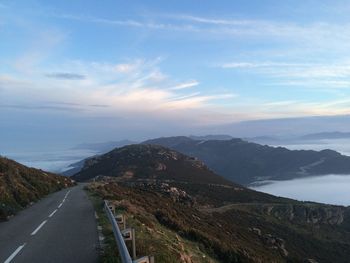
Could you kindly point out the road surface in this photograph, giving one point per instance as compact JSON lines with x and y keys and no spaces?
{"x":59,"y":228}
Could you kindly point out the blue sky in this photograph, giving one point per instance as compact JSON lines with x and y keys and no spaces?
{"x":75,"y":71}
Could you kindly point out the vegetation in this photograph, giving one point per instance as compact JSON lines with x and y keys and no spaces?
{"x":153,"y":238}
{"x":175,"y":231}
{"x":20,"y":186}
{"x":183,"y":212}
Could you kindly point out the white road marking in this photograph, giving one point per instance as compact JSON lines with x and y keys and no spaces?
{"x":38,"y":228}
{"x":60,"y":205}
{"x":14,"y":254}
{"x":53,"y":213}
{"x":67,"y":194}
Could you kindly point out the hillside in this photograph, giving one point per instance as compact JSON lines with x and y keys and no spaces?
{"x":244,"y":162}
{"x":20,"y":186}
{"x":186,"y":213}
{"x":175,"y":230}
{"x":148,"y":162}
{"x":151,"y":163}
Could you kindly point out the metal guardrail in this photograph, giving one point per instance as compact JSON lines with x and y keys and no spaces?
{"x":120,"y":239}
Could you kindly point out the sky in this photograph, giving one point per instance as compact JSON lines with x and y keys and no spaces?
{"x":89,"y":71}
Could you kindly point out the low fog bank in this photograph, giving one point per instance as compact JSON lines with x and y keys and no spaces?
{"x":53,"y":161}
{"x":329,"y":189}
{"x":340,"y":145}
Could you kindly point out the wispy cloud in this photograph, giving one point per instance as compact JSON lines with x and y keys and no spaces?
{"x":264,"y":65}
{"x":185,"y":85}
{"x":41,"y":107}
{"x":129,"y":23}
{"x":212,"y":20}
{"x":304,"y":38}
{"x":136,"y":87}
{"x":65,"y":76}
{"x":317,"y":75}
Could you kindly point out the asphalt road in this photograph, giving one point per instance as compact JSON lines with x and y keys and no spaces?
{"x":59,"y":228}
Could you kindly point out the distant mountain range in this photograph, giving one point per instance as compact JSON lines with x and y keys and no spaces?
{"x":76,"y":167}
{"x":326,"y":135}
{"x":248,"y":162}
{"x":20,"y":185}
{"x":245,"y":162}
{"x":175,"y":197}
{"x":103,"y":147}
{"x":219,"y":137}
{"x":285,"y":127}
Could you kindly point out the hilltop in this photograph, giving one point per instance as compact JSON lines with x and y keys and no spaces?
{"x":154,"y":164}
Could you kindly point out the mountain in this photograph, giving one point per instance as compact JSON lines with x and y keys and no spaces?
{"x":148,"y":162}
{"x":20,"y":186}
{"x":245,"y":162}
{"x":97,"y":147}
{"x":184,"y":212}
{"x":76,"y":167}
{"x":219,"y":137}
{"x":103,"y":147}
{"x":326,"y":135}
{"x":269,"y":140}
{"x":285,"y":126}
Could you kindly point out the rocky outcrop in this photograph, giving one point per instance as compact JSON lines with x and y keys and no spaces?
{"x":271,"y":241}
{"x":308,"y":213}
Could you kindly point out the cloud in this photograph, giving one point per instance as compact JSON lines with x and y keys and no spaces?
{"x":127,"y":68}
{"x":127,"y":23}
{"x":307,"y":39}
{"x":213,"y":21}
{"x":65,"y":76}
{"x":136,"y":88}
{"x":147,"y":92}
{"x":99,"y":105}
{"x":42,"y":44}
{"x":186,"y":85}
{"x":324,"y":75}
{"x":263,"y":65}
{"x":41,"y":107}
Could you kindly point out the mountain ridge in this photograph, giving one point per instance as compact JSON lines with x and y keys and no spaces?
{"x":246,"y":162}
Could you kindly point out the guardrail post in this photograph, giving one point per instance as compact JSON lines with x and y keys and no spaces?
{"x":123,"y":250}
{"x":124,"y":235}
{"x":129,"y":235}
{"x":112,"y":208}
{"x":121,"y":220}
{"x":146,"y":259}
{"x":133,"y":244}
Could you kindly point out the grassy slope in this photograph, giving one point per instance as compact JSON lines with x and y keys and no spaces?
{"x":243,"y":233}
{"x":152,"y":238}
{"x":20,"y":185}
